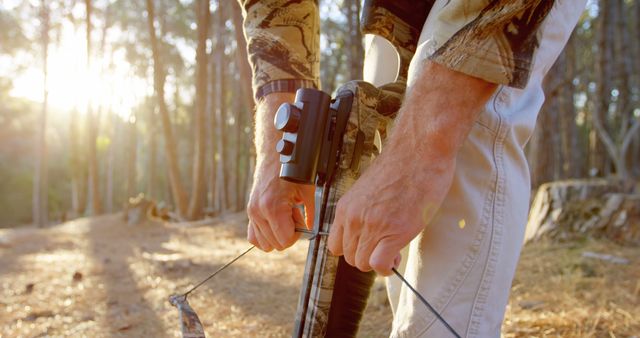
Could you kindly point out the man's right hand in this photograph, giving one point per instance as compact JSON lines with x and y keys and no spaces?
{"x":273,"y":203}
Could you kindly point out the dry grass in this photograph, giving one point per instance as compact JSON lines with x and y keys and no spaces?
{"x":124,"y":274}
{"x":559,"y":293}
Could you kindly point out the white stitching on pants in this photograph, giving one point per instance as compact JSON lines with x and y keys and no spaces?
{"x":446,"y":295}
{"x":495,"y":240}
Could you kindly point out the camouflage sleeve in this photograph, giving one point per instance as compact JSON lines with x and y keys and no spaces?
{"x":283,"y":43}
{"x":491,"y":40}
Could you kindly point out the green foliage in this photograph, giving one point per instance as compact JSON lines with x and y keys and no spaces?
{"x":17,"y":136}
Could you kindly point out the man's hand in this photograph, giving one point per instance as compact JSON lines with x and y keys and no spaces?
{"x":398,"y":195}
{"x":272,"y":208}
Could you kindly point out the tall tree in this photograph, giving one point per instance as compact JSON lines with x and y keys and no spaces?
{"x":245,"y":113}
{"x":213,"y":195}
{"x":79,"y":174}
{"x":159,"y":78}
{"x":132,"y":151}
{"x":111,"y":165}
{"x":92,"y":128}
{"x":355,"y":54}
{"x":152,"y":179}
{"x":40,"y":180}
{"x":198,"y":187}
{"x":242,"y":61}
{"x":617,"y":151}
{"x":223,"y":138}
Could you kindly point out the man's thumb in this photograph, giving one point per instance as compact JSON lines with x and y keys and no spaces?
{"x":385,"y":256}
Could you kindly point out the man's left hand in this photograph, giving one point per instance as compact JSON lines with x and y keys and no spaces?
{"x":398,"y":195}
{"x":386,"y":208}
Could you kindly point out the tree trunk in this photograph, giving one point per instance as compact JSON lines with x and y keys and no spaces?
{"x":616,"y":151}
{"x":242,"y":61}
{"x":78,"y":169}
{"x":152,"y":179}
{"x":94,"y":171}
{"x":92,"y":131}
{"x":636,"y":57}
{"x":177,"y":189}
{"x":132,"y":147}
{"x":234,"y":147}
{"x":222,"y":112}
{"x":601,"y":102}
{"x":198,"y":187}
{"x":213,"y":124}
{"x":115,"y":126}
{"x":245,"y":119}
{"x":575,"y":148}
{"x":544,"y":146}
{"x":356,"y":51}
{"x":564,"y":209}
{"x":40,"y":185}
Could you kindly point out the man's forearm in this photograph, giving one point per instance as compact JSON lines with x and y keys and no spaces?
{"x":266,"y":135}
{"x":372,"y":221}
{"x":271,"y":208}
{"x":438,"y":112}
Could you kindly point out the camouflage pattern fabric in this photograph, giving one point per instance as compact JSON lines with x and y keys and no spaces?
{"x":283,"y":40}
{"x":492,"y":40}
{"x":400,"y":22}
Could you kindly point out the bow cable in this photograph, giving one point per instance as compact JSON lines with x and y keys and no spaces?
{"x":217,"y":271}
{"x":424,"y":301}
{"x":313,"y":234}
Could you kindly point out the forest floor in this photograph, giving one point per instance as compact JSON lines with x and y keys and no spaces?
{"x":100,"y":277}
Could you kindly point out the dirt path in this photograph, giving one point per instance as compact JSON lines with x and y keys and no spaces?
{"x":124,"y":274}
{"x":100,"y":277}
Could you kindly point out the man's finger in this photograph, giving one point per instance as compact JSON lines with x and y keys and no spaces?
{"x":363,"y":254}
{"x":284,"y":228}
{"x":251,"y":235}
{"x":335,"y":239}
{"x":385,"y":256}
{"x":264,"y":244}
{"x":266,"y":228}
{"x":349,"y":247}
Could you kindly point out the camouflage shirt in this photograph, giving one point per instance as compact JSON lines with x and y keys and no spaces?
{"x":494,"y":40}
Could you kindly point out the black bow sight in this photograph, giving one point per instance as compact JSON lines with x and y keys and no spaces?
{"x":313,"y":127}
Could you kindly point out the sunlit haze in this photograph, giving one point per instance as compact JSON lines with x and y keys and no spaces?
{"x":109,"y":84}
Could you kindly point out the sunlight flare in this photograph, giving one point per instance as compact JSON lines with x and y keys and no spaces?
{"x":109,"y":84}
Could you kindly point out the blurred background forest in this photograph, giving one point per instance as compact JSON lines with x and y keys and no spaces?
{"x":103,"y":100}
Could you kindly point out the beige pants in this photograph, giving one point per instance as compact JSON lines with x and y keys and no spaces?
{"x":464,"y":261}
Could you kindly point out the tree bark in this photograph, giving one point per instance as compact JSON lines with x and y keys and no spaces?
{"x":616,"y":151}
{"x":92,"y":130}
{"x":575,"y":152}
{"x":132,"y":151}
{"x":356,"y":50}
{"x":40,"y":185}
{"x":222,"y":112}
{"x":564,"y":209}
{"x":115,"y":126}
{"x":242,"y":61}
{"x":198,"y":187}
{"x":244,"y":140}
{"x":152,"y":179}
{"x":78,"y":169}
{"x":213,"y":123}
{"x":177,"y":189}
